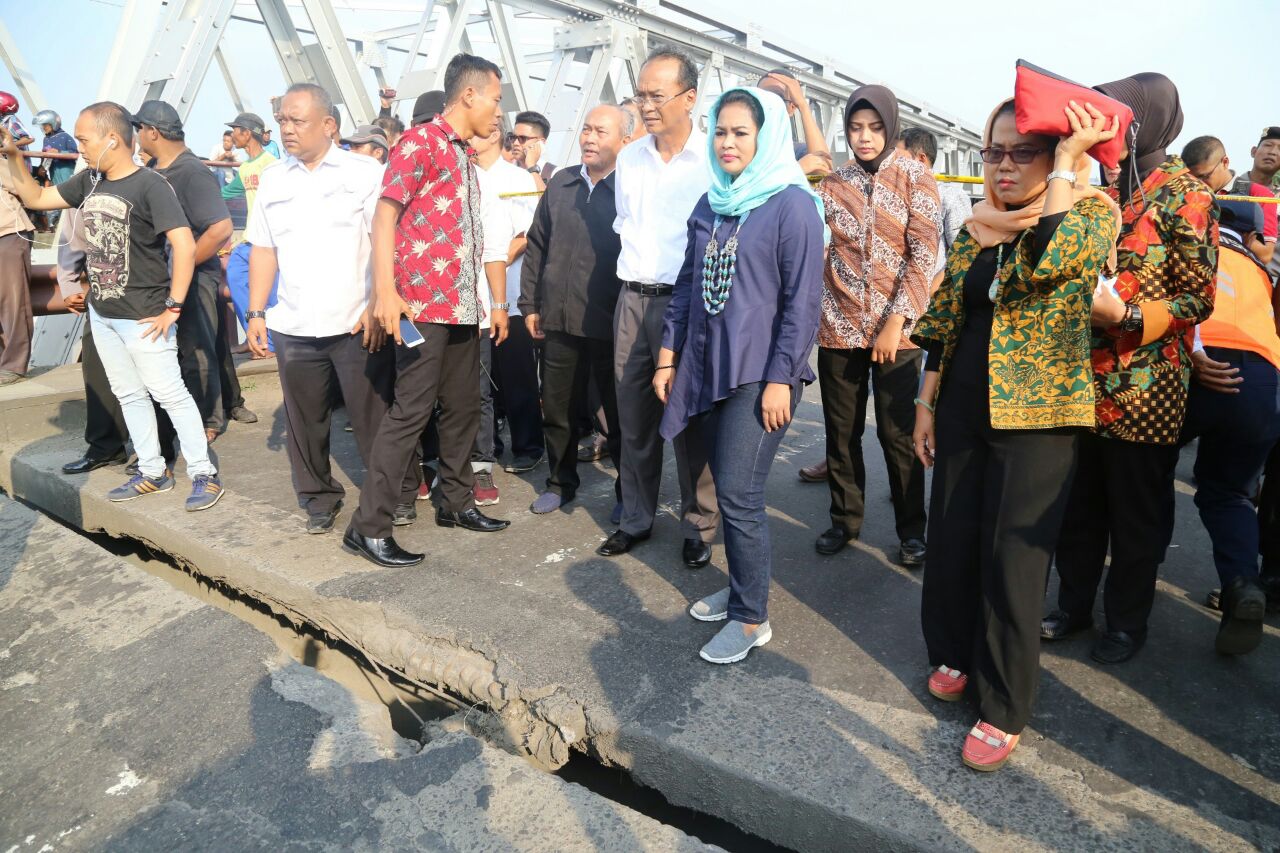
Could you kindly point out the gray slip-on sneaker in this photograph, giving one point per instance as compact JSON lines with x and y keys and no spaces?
{"x":731,"y":645}
{"x":713,"y":608}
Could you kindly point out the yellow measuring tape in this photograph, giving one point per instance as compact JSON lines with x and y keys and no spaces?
{"x":961,"y":179}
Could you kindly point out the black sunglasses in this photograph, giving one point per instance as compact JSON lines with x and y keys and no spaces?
{"x":1020,"y":154}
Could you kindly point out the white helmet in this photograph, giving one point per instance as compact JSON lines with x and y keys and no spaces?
{"x":48,"y":117}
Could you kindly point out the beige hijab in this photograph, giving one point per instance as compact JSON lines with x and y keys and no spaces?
{"x":992,"y":223}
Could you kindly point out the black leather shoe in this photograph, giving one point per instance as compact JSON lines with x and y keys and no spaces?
{"x":1244,"y":605}
{"x":404,"y":515}
{"x":242,"y":415}
{"x":620,"y":542}
{"x":322,"y":522}
{"x":87,"y":463}
{"x":833,"y":541}
{"x":911,"y":553}
{"x":1117,"y":646}
{"x":696,"y":553}
{"x":383,"y":552}
{"x":470,"y":519}
{"x":1059,"y":625}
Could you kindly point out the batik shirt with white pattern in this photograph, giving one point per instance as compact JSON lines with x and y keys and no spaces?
{"x":439,"y":238}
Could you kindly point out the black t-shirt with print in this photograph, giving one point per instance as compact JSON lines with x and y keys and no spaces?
{"x":124,"y":226}
{"x":201,"y":199}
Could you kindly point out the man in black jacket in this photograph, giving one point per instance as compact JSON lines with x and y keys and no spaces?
{"x":568,"y":291}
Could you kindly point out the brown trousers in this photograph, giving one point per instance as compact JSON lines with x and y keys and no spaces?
{"x":16,"y":324}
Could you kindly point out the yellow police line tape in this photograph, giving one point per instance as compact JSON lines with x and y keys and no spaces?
{"x":961,"y":179}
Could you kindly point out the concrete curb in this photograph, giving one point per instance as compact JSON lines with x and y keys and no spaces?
{"x":540,"y":722}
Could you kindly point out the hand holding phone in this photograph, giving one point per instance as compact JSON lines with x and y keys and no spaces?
{"x":409,"y":334}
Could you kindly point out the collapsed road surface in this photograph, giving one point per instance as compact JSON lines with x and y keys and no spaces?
{"x":825,"y":739}
{"x":135,"y":717}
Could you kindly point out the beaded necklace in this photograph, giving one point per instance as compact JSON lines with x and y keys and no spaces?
{"x":995,"y":281}
{"x":718,"y":267}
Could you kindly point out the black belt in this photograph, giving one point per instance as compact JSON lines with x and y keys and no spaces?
{"x":1228,"y":354}
{"x":650,"y":289}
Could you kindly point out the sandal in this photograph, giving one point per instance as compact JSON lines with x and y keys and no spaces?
{"x":947,"y":684}
{"x":987,"y":748}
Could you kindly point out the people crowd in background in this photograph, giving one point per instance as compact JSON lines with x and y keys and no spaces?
{"x":1047,"y":351}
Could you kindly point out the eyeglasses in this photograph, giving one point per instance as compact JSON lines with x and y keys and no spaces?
{"x":1020,"y":154}
{"x":524,"y":140}
{"x":657,"y":101}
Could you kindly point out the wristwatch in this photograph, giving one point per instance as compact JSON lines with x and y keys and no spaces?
{"x":255,"y":315}
{"x":1069,"y":177}
{"x":534,"y":170}
{"x":501,"y":306}
{"x":1132,"y":321}
{"x":171,"y":305}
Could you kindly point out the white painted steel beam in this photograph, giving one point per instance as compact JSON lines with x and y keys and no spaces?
{"x":29,"y":93}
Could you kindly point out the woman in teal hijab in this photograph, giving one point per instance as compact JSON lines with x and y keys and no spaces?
{"x":737,"y":336}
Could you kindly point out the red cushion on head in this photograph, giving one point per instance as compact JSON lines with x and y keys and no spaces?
{"x":1039,"y":101}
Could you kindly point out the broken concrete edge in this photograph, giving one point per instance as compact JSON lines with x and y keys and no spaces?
{"x":540,"y":724}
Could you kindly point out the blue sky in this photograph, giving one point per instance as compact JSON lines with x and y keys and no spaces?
{"x":956,"y":54}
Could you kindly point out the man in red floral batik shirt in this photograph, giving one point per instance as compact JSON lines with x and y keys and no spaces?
{"x":429,"y":261}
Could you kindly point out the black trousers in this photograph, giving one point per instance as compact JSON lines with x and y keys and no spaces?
{"x":515,"y":371}
{"x":198,"y":359}
{"x":104,"y":429}
{"x":1122,"y":497}
{"x":845,"y":376}
{"x":310,"y":369}
{"x":1269,"y":516}
{"x":444,"y":367}
{"x":569,"y":363}
{"x":999,"y":497}
{"x":230,"y":383}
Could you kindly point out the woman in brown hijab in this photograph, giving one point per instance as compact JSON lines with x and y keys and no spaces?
{"x":883,"y":211}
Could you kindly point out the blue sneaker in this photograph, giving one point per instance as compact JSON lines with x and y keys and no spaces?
{"x":205,"y":492}
{"x":140,"y":485}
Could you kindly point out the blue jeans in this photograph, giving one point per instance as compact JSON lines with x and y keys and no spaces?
{"x":740,"y":453}
{"x":238,"y":284}
{"x":1237,"y":433}
{"x":139,"y":371}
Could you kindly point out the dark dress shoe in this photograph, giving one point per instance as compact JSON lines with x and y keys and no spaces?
{"x":383,"y":552}
{"x":87,"y":463}
{"x":815,"y":473}
{"x":470,"y":519}
{"x":833,"y":541}
{"x":1059,"y":625}
{"x":620,"y":542}
{"x":1244,"y":605}
{"x":1117,"y":646}
{"x":911,"y":553}
{"x":242,"y":415}
{"x":322,"y":522}
{"x":696,"y":553}
{"x":404,"y":515}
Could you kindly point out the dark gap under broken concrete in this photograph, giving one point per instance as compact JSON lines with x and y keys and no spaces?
{"x":411,"y":707}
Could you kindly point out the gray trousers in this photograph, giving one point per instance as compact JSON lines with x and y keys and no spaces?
{"x":637,"y":336}
{"x":16,"y":324}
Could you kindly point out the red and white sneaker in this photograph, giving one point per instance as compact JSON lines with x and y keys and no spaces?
{"x":947,"y":684}
{"x":987,"y":748}
{"x":429,"y":481}
{"x":486,"y":493}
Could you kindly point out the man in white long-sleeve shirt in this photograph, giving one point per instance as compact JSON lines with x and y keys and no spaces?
{"x":659,"y":181}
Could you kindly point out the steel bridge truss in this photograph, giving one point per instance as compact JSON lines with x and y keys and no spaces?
{"x":597,"y":47}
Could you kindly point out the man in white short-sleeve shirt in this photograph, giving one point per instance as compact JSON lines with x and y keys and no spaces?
{"x":311,"y":223}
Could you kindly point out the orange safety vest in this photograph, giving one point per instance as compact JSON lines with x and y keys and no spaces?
{"x":1242,"y":318}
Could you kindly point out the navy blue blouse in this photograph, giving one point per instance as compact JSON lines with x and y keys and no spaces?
{"x":770,"y":322}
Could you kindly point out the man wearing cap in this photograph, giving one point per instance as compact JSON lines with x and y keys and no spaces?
{"x":369,"y":140}
{"x":269,"y":145}
{"x":160,"y":135}
{"x":248,"y":132}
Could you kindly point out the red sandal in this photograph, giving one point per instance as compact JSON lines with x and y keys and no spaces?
{"x":947,"y":684}
{"x":987,"y":748}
